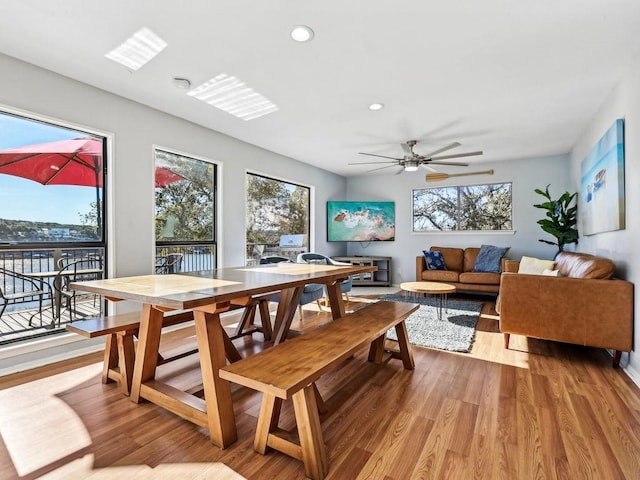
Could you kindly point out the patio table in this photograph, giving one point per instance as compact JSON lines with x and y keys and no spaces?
{"x":209,"y":293}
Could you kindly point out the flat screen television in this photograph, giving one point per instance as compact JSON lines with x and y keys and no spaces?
{"x":361,"y":221}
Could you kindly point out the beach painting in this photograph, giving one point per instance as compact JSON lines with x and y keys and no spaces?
{"x":602,"y":184}
{"x":360,"y":221}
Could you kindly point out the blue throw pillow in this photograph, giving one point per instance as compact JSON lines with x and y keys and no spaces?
{"x":434,"y":260}
{"x":489,"y":258}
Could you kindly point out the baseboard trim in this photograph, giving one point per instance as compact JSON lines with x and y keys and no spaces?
{"x":632,"y":373}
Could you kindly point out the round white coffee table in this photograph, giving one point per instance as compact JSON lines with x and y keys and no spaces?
{"x":439,"y":290}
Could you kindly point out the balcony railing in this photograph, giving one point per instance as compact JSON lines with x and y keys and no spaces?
{"x":191,"y":257}
{"x":23,"y":318}
{"x":15,"y":321}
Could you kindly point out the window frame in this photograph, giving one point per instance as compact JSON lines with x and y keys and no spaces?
{"x":311,"y":207}
{"x":510,"y":231}
{"x":171,"y":245}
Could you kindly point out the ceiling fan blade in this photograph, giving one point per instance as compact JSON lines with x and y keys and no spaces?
{"x":380,"y":168}
{"x":431,"y":169}
{"x":457,"y":155}
{"x":371,"y":163}
{"x":443,"y":149}
{"x":381,"y":156}
{"x":400,"y":171}
{"x":455,"y":164}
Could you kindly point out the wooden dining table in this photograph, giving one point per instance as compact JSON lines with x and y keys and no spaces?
{"x":209,"y":293}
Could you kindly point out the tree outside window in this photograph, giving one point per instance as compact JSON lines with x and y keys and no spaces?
{"x":463,"y":208}
{"x":185,"y":194}
{"x":184,"y":198}
{"x":275,"y":208}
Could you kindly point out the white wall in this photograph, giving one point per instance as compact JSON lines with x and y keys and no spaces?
{"x":526,"y":175}
{"x":136,"y":128}
{"x":620,"y":246}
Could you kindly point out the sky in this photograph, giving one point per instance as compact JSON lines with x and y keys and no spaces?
{"x":22,"y":199}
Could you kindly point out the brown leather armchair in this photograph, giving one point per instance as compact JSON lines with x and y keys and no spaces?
{"x":583,"y":305}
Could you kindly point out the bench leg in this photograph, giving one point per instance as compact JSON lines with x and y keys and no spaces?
{"x":119,"y":358}
{"x":314,"y":454}
{"x":322,"y":407}
{"x":376,"y":350}
{"x":247,"y":324}
{"x":248,"y":317}
{"x":110,"y":357}
{"x":267,"y":421}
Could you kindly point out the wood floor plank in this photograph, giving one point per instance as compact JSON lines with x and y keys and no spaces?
{"x":538,"y":410}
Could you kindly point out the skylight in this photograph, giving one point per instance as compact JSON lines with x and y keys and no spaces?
{"x":138,"y":49}
{"x":233,"y":96}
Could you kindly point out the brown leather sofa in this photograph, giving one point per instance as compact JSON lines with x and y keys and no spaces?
{"x":459,"y":272}
{"x":583,"y":305}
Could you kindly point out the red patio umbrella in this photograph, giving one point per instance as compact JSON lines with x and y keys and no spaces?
{"x":75,"y":161}
{"x":164,"y":176}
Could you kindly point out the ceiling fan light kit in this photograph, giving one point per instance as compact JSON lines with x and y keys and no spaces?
{"x":411,"y":160}
{"x":411,"y":166}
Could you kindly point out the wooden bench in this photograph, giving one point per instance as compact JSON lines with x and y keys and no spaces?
{"x":119,"y":351}
{"x":290,"y":370}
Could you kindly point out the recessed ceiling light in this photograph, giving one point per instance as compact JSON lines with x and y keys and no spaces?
{"x":376,"y":106}
{"x":138,"y":49}
{"x":233,"y":96}
{"x":302,"y":33}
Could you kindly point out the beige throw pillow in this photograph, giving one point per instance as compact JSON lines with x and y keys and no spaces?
{"x":535,"y":266}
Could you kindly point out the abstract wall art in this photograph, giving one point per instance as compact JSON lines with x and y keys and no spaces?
{"x":602,"y":184}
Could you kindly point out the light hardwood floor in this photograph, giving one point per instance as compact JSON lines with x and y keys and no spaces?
{"x":539,"y":410}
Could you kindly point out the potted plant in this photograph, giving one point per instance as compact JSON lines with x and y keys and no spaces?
{"x":561,"y":218}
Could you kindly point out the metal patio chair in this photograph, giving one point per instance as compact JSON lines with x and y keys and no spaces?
{"x":65,"y":297}
{"x":170,"y":263}
{"x":28,"y":288}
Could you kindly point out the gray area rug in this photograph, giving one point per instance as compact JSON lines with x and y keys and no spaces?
{"x":455,"y":332}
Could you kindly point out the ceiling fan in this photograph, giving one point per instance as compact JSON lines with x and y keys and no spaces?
{"x":411,"y":161}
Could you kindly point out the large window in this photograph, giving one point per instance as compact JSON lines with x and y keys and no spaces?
{"x":278,"y":218}
{"x":51,"y":183}
{"x":464,"y":208}
{"x":185,"y":224}
{"x":52,"y":223}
